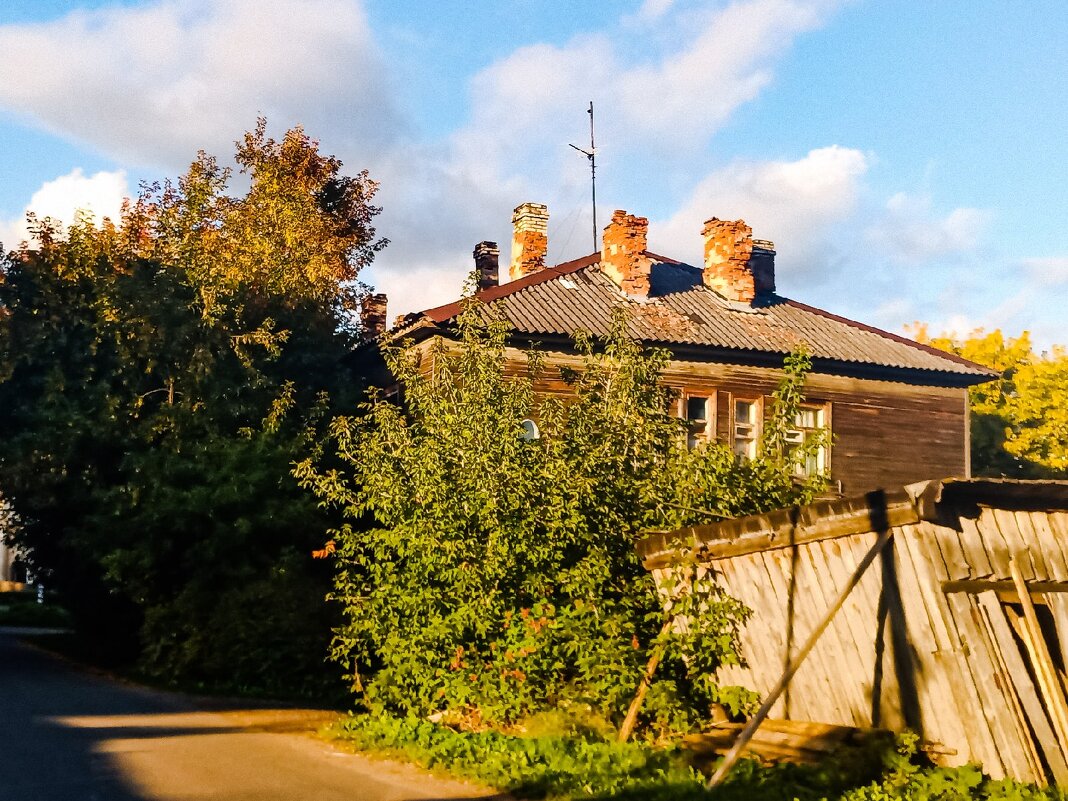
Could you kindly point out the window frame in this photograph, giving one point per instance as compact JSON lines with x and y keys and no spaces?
{"x":823,"y":457}
{"x":757,"y":404}
{"x":707,"y":432}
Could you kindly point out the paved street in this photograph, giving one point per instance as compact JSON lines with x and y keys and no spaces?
{"x":68,"y":735}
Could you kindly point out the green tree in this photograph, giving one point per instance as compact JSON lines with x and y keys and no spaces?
{"x":158,"y":376}
{"x":1019,"y":421}
{"x":487,"y":574}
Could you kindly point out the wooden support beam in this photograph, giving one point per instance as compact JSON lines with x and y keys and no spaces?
{"x":1017,"y":679}
{"x":643,"y":686}
{"x":1045,"y":670}
{"x":976,"y":586}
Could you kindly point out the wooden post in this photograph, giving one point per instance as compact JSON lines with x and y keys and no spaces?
{"x":747,"y":733}
{"x":643,"y":687}
{"x":1045,"y":670}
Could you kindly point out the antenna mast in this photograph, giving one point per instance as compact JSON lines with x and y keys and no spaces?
{"x":591,"y":154}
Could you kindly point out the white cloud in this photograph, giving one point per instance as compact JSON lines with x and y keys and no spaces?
{"x":693,"y":70}
{"x":1036,"y":303}
{"x":1049,"y":272}
{"x":691,"y":93}
{"x":911,"y":232}
{"x":794,"y":203}
{"x":428,"y":285}
{"x":152,"y":84}
{"x":99,"y":195}
{"x":440,"y":200}
{"x":652,"y":10}
{"x":956,"y":325}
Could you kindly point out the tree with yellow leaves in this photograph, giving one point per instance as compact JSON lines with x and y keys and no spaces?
{"x":1020,"y":420}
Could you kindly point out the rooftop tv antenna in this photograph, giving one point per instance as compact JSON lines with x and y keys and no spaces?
{"x":591,"y":154}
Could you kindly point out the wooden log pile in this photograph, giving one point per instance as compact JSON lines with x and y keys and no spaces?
{"x":781,"y":740}
{"x":793,"y":741}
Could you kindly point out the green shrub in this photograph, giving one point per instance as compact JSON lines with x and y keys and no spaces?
{"x":487,"y":574}
{"x":22,"y":609}
{"x":532,"y":767}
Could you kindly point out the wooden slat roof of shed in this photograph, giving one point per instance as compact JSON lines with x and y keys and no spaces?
{"x":843,"y":517}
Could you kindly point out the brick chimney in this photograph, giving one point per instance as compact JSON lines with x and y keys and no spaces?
{"x":762,"y":262}
{"x":736,"y":266}
{"x":623,"y":257}
{"x":487,"y":264}
{"x":530,"y":222}
{"x":373,"y":315}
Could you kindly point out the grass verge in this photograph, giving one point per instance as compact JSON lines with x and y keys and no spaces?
{"x":528,"y":767}
{"x":570,"y":766}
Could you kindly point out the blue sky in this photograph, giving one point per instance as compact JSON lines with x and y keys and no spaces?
{"x":909,"y":159}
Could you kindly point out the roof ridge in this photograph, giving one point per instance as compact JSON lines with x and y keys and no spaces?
{"x":440,"y":314}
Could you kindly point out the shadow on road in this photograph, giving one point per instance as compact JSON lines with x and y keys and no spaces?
{"x":43,"y":758}
{"x":71,"y":735}
{"x":61,"y":727}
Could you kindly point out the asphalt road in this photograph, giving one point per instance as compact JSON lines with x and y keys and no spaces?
{"x":69,"y":735}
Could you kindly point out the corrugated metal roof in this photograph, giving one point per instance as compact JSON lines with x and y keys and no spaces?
{"x":681,"y":311}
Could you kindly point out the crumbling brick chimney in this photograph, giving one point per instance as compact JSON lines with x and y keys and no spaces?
{"x":736,"y":266}
{"x":530,"y":222}
{"x":487,"y":264}
{"x":623,"y":256}
{"x":373,"y":315}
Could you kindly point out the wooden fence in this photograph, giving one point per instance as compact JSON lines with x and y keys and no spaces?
{"x":958,"y":630}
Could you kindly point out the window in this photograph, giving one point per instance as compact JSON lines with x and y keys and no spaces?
{"x":700,"y":418}
{"x":746,"y":428}
{"x":810,"y":423}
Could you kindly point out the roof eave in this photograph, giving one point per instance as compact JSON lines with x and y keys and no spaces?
{"x":755,"y":358}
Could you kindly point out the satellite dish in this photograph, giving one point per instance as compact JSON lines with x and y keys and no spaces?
{"x":530,"y":431}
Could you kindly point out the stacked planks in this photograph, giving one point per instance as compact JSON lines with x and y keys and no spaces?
{"x":782,"y":740}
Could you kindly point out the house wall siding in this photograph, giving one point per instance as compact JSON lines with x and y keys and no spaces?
{"x":886,"y":434}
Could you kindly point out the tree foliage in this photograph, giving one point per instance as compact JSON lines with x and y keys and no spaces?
{"x":157,"y":375}
{"x":1020,"y":419}
{"x":487,"y":575}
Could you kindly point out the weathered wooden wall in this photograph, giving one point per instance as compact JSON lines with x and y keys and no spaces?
{"x":925,"y":641}
{"x":886,"y":434}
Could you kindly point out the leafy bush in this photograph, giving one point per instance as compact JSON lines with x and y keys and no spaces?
{"x":158,"y":375}
{"x":22,"y":609}
{"x":490,"y":576}
{"x":903,"y":778}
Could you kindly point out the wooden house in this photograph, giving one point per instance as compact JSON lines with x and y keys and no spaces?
{"x":957,"y":630}
{"x":897,"y":410}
